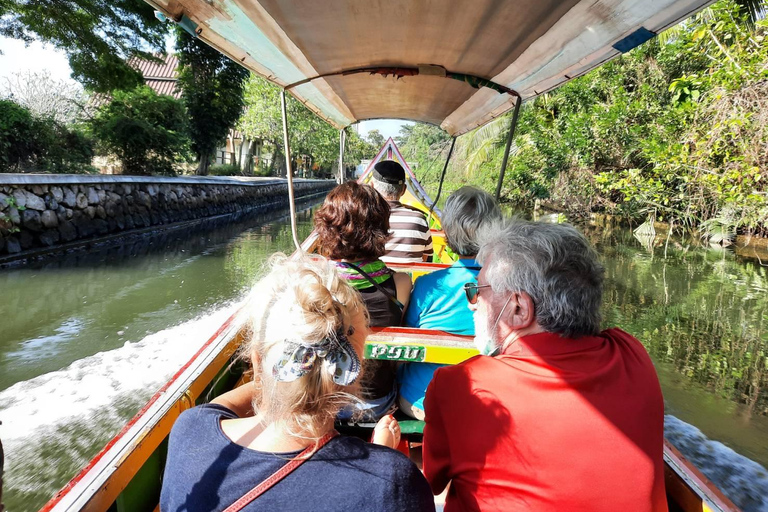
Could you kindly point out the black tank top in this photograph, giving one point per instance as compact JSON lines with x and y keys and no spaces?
{"x":382,"y":310}
{"x":379,"y":376}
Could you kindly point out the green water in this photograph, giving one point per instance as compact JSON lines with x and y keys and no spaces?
{"x":61,"y":312}
{"x":702,"y":313}
{"x":97,"y":327}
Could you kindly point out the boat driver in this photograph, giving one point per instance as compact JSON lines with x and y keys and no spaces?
{"x":409,"y":238}
{"x":554,"y":415}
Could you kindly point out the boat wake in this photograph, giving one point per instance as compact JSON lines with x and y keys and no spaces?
{"x":52,"y":425}
{"x":743,"y":480}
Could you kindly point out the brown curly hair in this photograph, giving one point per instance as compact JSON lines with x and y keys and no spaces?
{"x":353,"y":223}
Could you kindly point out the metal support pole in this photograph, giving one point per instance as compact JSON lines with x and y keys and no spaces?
{"x":289,"y":173}
{"x":511,"y":134}
{"x":442,"y":176}
{"x":342,"y":140}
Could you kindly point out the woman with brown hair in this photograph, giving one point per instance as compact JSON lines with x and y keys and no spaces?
{"x":352,"y":228}
{"x":271,"y":444}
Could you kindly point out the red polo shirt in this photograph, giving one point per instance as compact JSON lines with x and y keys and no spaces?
{"x":550,"y":424}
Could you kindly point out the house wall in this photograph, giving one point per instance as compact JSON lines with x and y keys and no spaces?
{"x":41,"y":212}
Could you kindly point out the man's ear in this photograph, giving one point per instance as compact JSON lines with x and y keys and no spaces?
{"x":520,"y":313}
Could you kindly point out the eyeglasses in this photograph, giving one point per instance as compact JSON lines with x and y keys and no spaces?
{"x":473,"y":290}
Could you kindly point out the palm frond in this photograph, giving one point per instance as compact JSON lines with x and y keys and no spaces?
{"x":476,"y":138}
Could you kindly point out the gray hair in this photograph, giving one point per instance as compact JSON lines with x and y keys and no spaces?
{"x":555,"y":265}
{"x":466,"y":212}
{"x":387,"y":190}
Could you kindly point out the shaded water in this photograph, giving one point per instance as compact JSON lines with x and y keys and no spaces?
{"x":85,"y":341}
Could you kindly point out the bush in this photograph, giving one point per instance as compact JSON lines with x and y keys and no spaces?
{"x":225,"y":170}
{"x":18,"y":137}
{"x":28,"y":143}
{"x":146,"y":131}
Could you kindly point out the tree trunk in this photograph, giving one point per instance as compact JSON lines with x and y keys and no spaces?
{"x":240,"y":153}
{"x":273,"y":163}
{"x":249,"y":158}
{"x":205,"y":161}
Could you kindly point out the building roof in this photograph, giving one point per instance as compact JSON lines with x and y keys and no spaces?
{"x":161,"y":77}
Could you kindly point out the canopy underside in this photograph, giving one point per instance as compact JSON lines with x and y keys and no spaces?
{"x":529,"y":46}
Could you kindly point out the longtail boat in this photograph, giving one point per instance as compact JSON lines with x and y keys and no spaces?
{"x":454,"y":64}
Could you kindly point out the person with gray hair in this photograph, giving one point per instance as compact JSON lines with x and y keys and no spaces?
{"x":437,"y":301}
{"x":409,"y":238}
{"x":554,"y":414}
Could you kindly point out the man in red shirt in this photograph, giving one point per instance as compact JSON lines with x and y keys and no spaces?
{"x":556,"y":415}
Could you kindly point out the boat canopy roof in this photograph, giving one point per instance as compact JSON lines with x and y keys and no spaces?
{"x":394,"y":58}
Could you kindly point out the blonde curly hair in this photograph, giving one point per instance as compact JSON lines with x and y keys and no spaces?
{"x":301,"y":300}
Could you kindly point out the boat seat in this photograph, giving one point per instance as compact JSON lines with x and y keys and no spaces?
{"x":411,"y":345}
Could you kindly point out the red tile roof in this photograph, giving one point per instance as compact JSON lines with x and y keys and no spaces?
{"x":160,"y":76}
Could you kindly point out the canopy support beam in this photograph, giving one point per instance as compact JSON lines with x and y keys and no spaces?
{"x":442,"y":176}
{"x":342,"y":140}
{"x":402,"y":71}
{"x":510,"y":135}
{"x":289,"y":173}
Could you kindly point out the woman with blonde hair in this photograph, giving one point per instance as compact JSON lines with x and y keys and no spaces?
{"x":270,"y":444}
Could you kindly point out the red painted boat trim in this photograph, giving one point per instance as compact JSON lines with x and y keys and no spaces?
{"x":65,"y":490}
{"x":418,"y":266}
{"x":422,"y":332}
{"x":692,"y":472}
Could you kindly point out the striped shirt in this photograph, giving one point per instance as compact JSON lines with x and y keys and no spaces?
{"x":409,"y":237}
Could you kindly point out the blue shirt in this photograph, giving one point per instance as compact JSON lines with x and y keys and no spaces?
{"x":207,"y":472}
{"x":438,"y":301}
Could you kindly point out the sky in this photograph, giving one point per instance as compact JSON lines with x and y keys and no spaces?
{"x":38,"y":57}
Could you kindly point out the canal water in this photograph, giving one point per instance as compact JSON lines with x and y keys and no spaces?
{"x":85,"y":341}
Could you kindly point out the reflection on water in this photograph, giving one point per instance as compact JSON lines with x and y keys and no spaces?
{"x":702,"y":313}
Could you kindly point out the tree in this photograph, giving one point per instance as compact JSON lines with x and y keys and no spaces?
{"x":212,"y":89}
{"x":261,"y":119}
{"x":61,"y":100}
{"x":146,"y":131}
{"x":97,"y":36}
{"x":376,"y":138}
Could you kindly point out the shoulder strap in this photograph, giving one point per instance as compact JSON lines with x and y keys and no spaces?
{"x":377,"y":285}
{"x":281,"y":473}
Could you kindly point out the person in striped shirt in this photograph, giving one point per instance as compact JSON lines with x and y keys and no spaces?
{"x":409,"y":237}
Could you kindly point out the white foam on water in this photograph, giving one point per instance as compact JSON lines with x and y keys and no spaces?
{"x":52,"y":425}
{"x":743,"y":480}
{"x":92,"y":383}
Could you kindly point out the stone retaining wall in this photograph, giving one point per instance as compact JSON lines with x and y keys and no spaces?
{"x":43,"y":211}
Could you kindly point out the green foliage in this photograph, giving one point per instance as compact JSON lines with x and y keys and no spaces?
{"x":147,"y":132}
{"x":212,"y":89}
{"x":97,"y":36}
{"x":674,"y":128}
{"x":18,"y":147}
{"x":41,"y":144}
{"x":376,"y":139}
{"x":225,"y":170}
{"x":314,"y":143}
